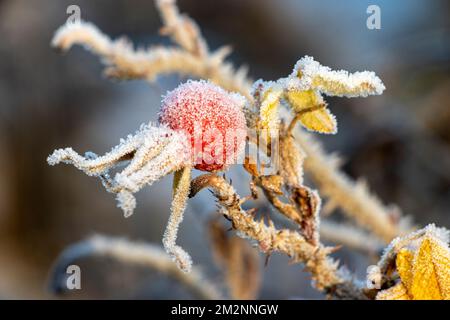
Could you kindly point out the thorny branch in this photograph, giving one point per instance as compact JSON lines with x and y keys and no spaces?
{"x":284,"y":190}
{"x":324,"y":270}
{"x":355,"y":199}
{"x":124,"y":62}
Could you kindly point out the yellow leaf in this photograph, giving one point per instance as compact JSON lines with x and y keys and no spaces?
{"x":441,"y":261}
{"x":425,"y":285}
{"x":404,"y":264}
{"x":397,"y":292}
{"x":269,"y":108}
{"x":312,"y":111}
{"x":341,"y":89}
{"x":424,"y":272}
{"x":303,"y":100}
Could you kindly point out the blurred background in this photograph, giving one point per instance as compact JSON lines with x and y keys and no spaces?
{"x":399,"y":142}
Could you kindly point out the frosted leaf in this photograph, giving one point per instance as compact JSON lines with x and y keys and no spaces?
{"x":310,"y":74}
{"x":302,"y":90}
{"x":422,"y":263}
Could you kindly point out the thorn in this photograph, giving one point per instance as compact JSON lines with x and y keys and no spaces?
{"x":266,"y":262}
{"x":336,"y":248}
{"x":261,"y":221}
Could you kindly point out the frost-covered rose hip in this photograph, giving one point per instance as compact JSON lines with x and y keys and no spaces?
{"x":212,"y":117}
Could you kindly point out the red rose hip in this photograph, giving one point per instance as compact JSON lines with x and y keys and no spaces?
{"x":212,"y":117}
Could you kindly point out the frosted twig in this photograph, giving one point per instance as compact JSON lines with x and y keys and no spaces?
{"x":181,"y":187}
{"x":349,"y":236}
{"x":183,"y":30}
{"x":126,"y":63}
{"x":126,"y":251}
{"x":323,"y":269}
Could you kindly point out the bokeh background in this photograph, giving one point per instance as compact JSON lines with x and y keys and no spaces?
{"x":400,"y":142}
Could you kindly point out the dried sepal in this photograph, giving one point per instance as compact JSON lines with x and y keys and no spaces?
{"x":308,"y":203}
{"x":291,"y":159}
{"x":153,"y":153}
